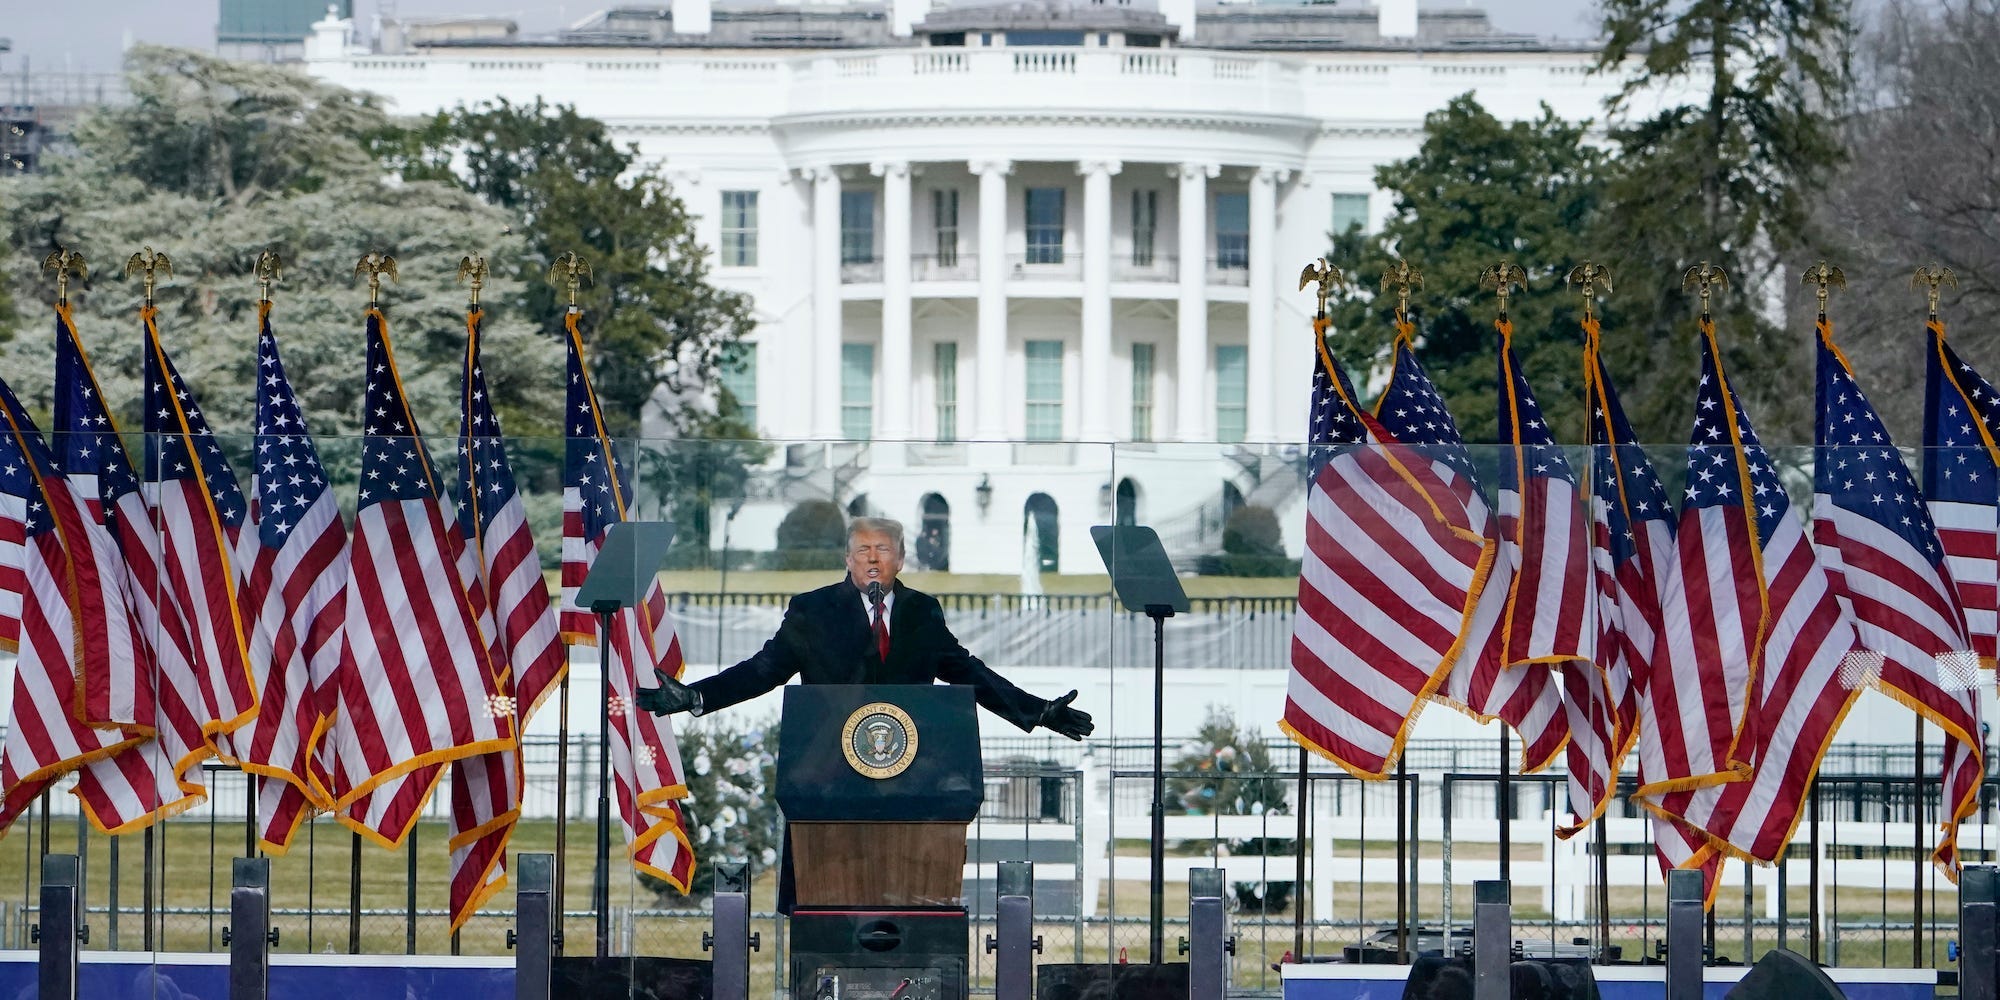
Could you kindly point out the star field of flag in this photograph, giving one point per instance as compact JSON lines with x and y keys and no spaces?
{"x":1960,"y":468}
{"x":394,"y":464}
{"x":17,"y":476}
{"x":1713,"y":477}
{"x":480,"y":446}
{"x":86,"y":440}
{"x":168,"y":441}
{"x":1412,"y":411}
{"x":1861,"y":469}
{"x":1334,"y":421}
{"x":588,"y":458}
{"x":1622,"y":470}
{"x":1538,"y":447}
{"x":289,"y":472}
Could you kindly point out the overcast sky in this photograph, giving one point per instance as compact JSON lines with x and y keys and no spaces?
{"x":88,"y":35}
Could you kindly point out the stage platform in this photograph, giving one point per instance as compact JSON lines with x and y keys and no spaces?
{"x":1330,"y":981}
{"x":128,"y":975}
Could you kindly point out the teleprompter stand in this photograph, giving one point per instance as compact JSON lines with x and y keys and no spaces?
{"x":1144,"y":580}
{"x":625,"y":568}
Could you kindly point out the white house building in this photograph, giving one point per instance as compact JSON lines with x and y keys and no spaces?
{"x":1041,"y":255}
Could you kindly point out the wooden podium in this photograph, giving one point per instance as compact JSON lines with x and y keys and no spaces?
{"x":877,"y":783}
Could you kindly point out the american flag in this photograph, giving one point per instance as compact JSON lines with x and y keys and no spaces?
{"x":1806,"y":667}
{"x":14,"y":492}
{"x":156,"y":779}
{"x":1479,"y":684}
{"x":1874,"y":535}
{"x":1391,"y":565}
{"x":44,"y":738}
{"x":294,"y":600}
{"x":1632,"y":551}
{"x":486,"y":790}
{"x":199,"y":511}
{"x":1961,"y":470}
{"x":645,"y":761}
{"x":118,"y":617}
{"x":1551,"y":611}
{"x":417,"y":686}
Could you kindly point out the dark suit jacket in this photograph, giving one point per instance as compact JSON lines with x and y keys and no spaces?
{"x":825,"y":639}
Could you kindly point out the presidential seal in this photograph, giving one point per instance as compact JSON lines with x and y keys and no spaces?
{"x":879,"y":740}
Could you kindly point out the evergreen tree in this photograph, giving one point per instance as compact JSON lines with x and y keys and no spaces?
{"x":1477,"y":191}
{"x":651,"y":320}
{"x":1728,"y":124}
{"x":213,"y":162}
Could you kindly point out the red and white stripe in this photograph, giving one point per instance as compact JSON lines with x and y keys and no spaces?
{"x":294,"y":599}
{"x":1551,"y":608}
{"x":1906,"y":612}
{"x":1811,"y":670}
{"x":1970,"y":533}
{"x":13,"y":567}
{"x":1383,"y":591}
{"x":1527,"y":698}
{"x":1711,"y":611}
{"x":415,"y":688}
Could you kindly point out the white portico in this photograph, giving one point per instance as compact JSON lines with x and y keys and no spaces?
{"x":1041,"y":223}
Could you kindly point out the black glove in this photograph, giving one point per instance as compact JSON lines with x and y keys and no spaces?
{"x":670,"y":697}
{"x":1071,"y":722}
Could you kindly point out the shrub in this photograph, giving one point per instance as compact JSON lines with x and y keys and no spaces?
{"x":813,"y":535}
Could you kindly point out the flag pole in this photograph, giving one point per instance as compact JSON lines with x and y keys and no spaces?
{"x":1502,"y":277}
{"x":1327,"y":277}
{"x":572,"y":269}
{"x":1587,"y":276}
{"x":150,"y":266}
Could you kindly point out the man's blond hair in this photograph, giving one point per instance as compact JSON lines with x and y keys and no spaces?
{"x":879,"y":526}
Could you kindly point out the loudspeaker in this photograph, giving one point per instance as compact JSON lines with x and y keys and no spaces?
{"x":879,"y":954}
{"x":631,"y":977}
{"x":1437,"y":978}
{"x":1785,"y":975}
{"x":1118,"y":981}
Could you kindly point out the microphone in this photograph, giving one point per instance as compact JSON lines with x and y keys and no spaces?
{"x":875,"y":590}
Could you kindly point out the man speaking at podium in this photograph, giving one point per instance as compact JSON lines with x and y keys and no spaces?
{"x":867,"y":629}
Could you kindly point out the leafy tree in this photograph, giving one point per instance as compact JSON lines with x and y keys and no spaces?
{"x":1729,"y":127}
{"x":215,"y":161}
{"x":1918,"y":188}
{"x":651,"y":318}
{"x":1477,"y":191}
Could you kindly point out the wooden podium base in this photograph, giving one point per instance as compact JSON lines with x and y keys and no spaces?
{"x":879,"y":864}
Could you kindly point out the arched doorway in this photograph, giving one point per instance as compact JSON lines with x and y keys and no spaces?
{"x":858,"y":507}
{"x":933,"y":546}
{"x":1038,"y":523}
{"x":1127,"y":511}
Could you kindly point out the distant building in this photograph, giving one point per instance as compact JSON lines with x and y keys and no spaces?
{"x":271,"y":31}
{"x":1023,"y":266}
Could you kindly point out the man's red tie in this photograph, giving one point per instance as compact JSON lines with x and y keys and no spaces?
{"x":881,"y":633}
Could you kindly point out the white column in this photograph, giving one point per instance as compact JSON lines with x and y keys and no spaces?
{"x":1096,"y":346}
{"x":1263,"y":300}
{"x":989,"y":399}
{"x":825,"y":302}
{"x":894,"y":422}
{"x":1191,"y":409}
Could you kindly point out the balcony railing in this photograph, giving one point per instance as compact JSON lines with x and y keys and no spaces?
{"x":1044,"y":264}
{"x":1150,"y":267}
{"x":1228,"y":271}
{"x":860,"y":272}
{"x":944,"y":267}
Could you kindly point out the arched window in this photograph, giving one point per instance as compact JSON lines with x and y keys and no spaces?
{"x":933,"y":544}
{"x":858,"y":507}
{"x":1038,"y":519}
{"x":1128,"y":502}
